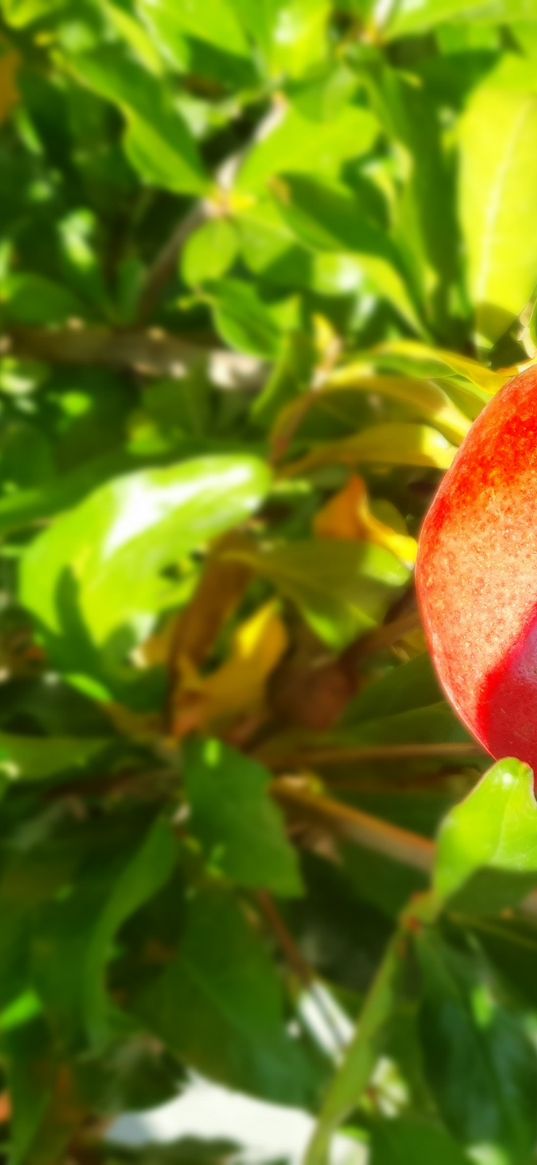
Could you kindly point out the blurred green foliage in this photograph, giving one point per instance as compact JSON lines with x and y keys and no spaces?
{"x":262,"y":263}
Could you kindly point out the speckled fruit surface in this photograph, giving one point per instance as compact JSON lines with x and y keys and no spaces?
{"x":477,"y":575}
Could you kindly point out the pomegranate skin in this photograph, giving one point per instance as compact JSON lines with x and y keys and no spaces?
{"x":476,"y":575}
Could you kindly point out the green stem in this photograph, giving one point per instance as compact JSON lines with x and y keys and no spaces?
{"x":355,"y":1071}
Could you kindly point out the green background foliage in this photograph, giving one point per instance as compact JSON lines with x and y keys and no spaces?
{"x":262,"y":263}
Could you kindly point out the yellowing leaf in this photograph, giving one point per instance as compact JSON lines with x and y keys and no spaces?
{"x":388,"y":444}
{"x":426,"y":399}
{"x":348,"y":515}
{"x":237,"y":688}
{"x":440,"y":362}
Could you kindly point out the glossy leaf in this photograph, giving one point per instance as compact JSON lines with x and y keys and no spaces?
{"x":239,"y":826}
{"x":487,"y":846}
{"x":99,"y":570}
{"x":498,"y":142}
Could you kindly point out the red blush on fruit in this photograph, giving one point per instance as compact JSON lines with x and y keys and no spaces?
{"x":476,"y":575}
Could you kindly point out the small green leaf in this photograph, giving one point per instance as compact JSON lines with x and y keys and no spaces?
{"x":210,"y":252}
{"x":234,"y":817}
{"x":35,"y":758}
{"x":487,"y":846}
{"x":245,"y":321}
{"x":341,"y":588}
{"x":33,"y":299}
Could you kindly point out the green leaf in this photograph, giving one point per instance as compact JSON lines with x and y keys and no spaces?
{"x":19,"y":13}
{"x":96,"y":579}
{"x":33,"y":299}
{"x":43,"y":1093}
{"x":487,"y":846}
{"x":158,"y":142}
{"x":143,"y":874}
{"x":413,"y":17}
{"x":328,"y":219}
{"x":219,"y":1006}
{"x":480,"y":1063}
{"x":299,"y":144}
{"x":292,"y":35}
{"x":341,"y":588}
{"x":239,"y":826}
{"x":27,"y":758}
{"x":498,"y":187}
{"x":210,"y":252}
{"x":245,"y":321}
{"x":407,"y":1139}
{"x":215,"y":22}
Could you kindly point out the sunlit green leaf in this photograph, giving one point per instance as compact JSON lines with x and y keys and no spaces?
{"x":487,"y":847}
{"x":97,"y":577}
{"x":498,"y":185}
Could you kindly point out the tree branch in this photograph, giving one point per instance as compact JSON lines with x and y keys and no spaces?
{"x":151,"y":352}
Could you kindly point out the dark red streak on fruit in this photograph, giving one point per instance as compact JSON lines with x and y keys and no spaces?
{"x":477,"y":575}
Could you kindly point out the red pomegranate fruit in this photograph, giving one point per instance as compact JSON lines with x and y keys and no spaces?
{"x":477,"y":575}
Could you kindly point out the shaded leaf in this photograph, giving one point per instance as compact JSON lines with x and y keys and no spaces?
{"x":239,"y":826}
{"x":480,"y":1063}
{"x":400,"y":1141}
{"x":158,"y":142}
{"x":341,"y":588}
{"x":219,"y":1005}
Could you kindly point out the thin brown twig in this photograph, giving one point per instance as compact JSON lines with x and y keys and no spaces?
{"x":382,"y":837}
{"x":289,"y":753}
{"x":286,"y":942}
{"x":354,"y":825}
